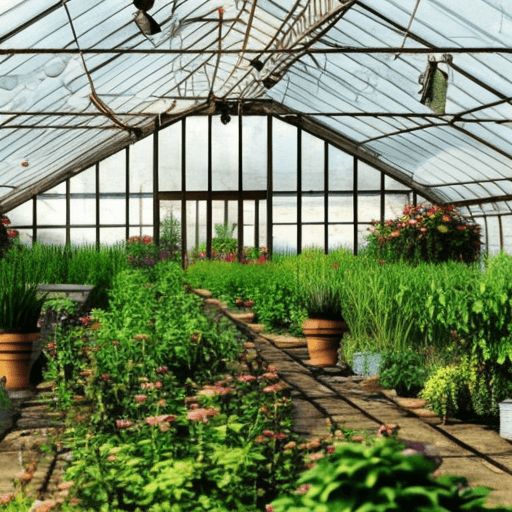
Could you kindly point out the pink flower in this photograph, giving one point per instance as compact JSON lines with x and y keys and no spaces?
{"x":158,"y":384}
{"x":214,"y":391}
{"x":155,"y":420}
{"x":272,"y":368}
{"x":280,"y":435}
{"x":461,"y":228}
{"x":147,"y":385}
{"x":140,"y":337}
{"x":124,"y":423}
{"x":270,"y":376}
{"x":246,"y":378}
{"x":147,"y":240}
{"x":303,"y":489}
{"x":445,"y":218}
{"x":290,"y":446}
{"x":140,"y":398}
{"x":268,"y":433}
{"x":249,"y":303}
{"x":274,"y":388}
{"x":269,"y":508}
{"x":162,"y":369}
{"x":85,"y":320}
{"x":202,"y":414}
{"x":5,"y":221}
{"x":115,"y":343}
{"x":13,"y":233}
{"x":105,"y":377}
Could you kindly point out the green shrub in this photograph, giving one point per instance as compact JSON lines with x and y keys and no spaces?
{"x":359,"y":478}
{"x":404,"y":372}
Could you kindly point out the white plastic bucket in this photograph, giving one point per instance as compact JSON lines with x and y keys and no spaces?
{"x":367,"y":364}
{"x":506,"y":419}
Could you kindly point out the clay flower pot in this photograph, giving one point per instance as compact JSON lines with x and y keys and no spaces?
{"x":323,"y":339}
{"x":15,"y":359}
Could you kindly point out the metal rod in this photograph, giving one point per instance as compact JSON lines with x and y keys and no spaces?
{"x":156,"y":202}
{"x":184,"y":261}
{"x":326,"y":197}
{"x":209,"y":220}
{"x":34,"y":219}
{"x":240,"y":220}
{"x":270,"y":187}
{"x":127,"y":198}
{"x":299,"y":190}
{"x":298,"y":49}
{"x":97,"y":191}
{"x":256,"y":223}
{"x":355,"y":204}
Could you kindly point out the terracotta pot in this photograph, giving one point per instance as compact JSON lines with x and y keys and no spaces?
{"x":15,"y":359}
{"x":323,"y":338}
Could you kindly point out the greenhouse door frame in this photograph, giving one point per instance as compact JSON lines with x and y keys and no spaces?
{"x":209,"y":197}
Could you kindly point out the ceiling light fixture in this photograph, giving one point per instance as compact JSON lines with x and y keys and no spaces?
{"x":147,"y":25}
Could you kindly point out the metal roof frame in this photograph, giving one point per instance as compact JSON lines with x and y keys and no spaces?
{"x":80,"y":81}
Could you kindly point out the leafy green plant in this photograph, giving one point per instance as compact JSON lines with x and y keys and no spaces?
{"x":404,"y":372}
{"x":20,"y":302}
{"x":358,"y":478}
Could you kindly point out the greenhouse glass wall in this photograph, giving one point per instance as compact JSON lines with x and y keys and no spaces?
{"x":301,"y":189}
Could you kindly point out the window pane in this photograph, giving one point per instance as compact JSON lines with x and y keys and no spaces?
{"x":83,"y":236}
{"x":313,"y":208}
{"x":169,"y":158}
{"x":254,"y":131}
{"x":82,"y":211}
{"x":341,"y":170}
{"x":113,"y":173}
{"x":341,"y":208}
{"x":312,"y":162}
{"x":111,"y":236}
{"x":51,"y":212}
{"x":112,"y":211}
{"x":224,"y":154}
{"x":197,"y":153}
{"x":284,"y":156}
{"x":313,"y":236}
{"x":285,"y":239}
{"x":52,"y":236}
{"x":341,"y":236}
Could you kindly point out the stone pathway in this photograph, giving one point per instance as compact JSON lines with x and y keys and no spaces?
{"x":324,"y":399}
{"x":333,"y":396}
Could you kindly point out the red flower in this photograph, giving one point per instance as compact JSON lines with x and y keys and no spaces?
{"x":5,"y":220}
{"x":162,"y":369}
{"x":249,"y":303}
{"x":13,"y":233}
{"x":335,"y":265}
{"x":147,"y":240}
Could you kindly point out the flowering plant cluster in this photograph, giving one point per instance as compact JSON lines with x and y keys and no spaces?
{"x":422,"y":233}
{"x":142,"y":252}
{"x":250,"y":255}
{"x":170,"y":409}
{"x":7,"y":236}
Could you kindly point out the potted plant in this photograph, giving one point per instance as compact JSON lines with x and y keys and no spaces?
{"x":20,"y":308}
{"x":319,"y":295}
